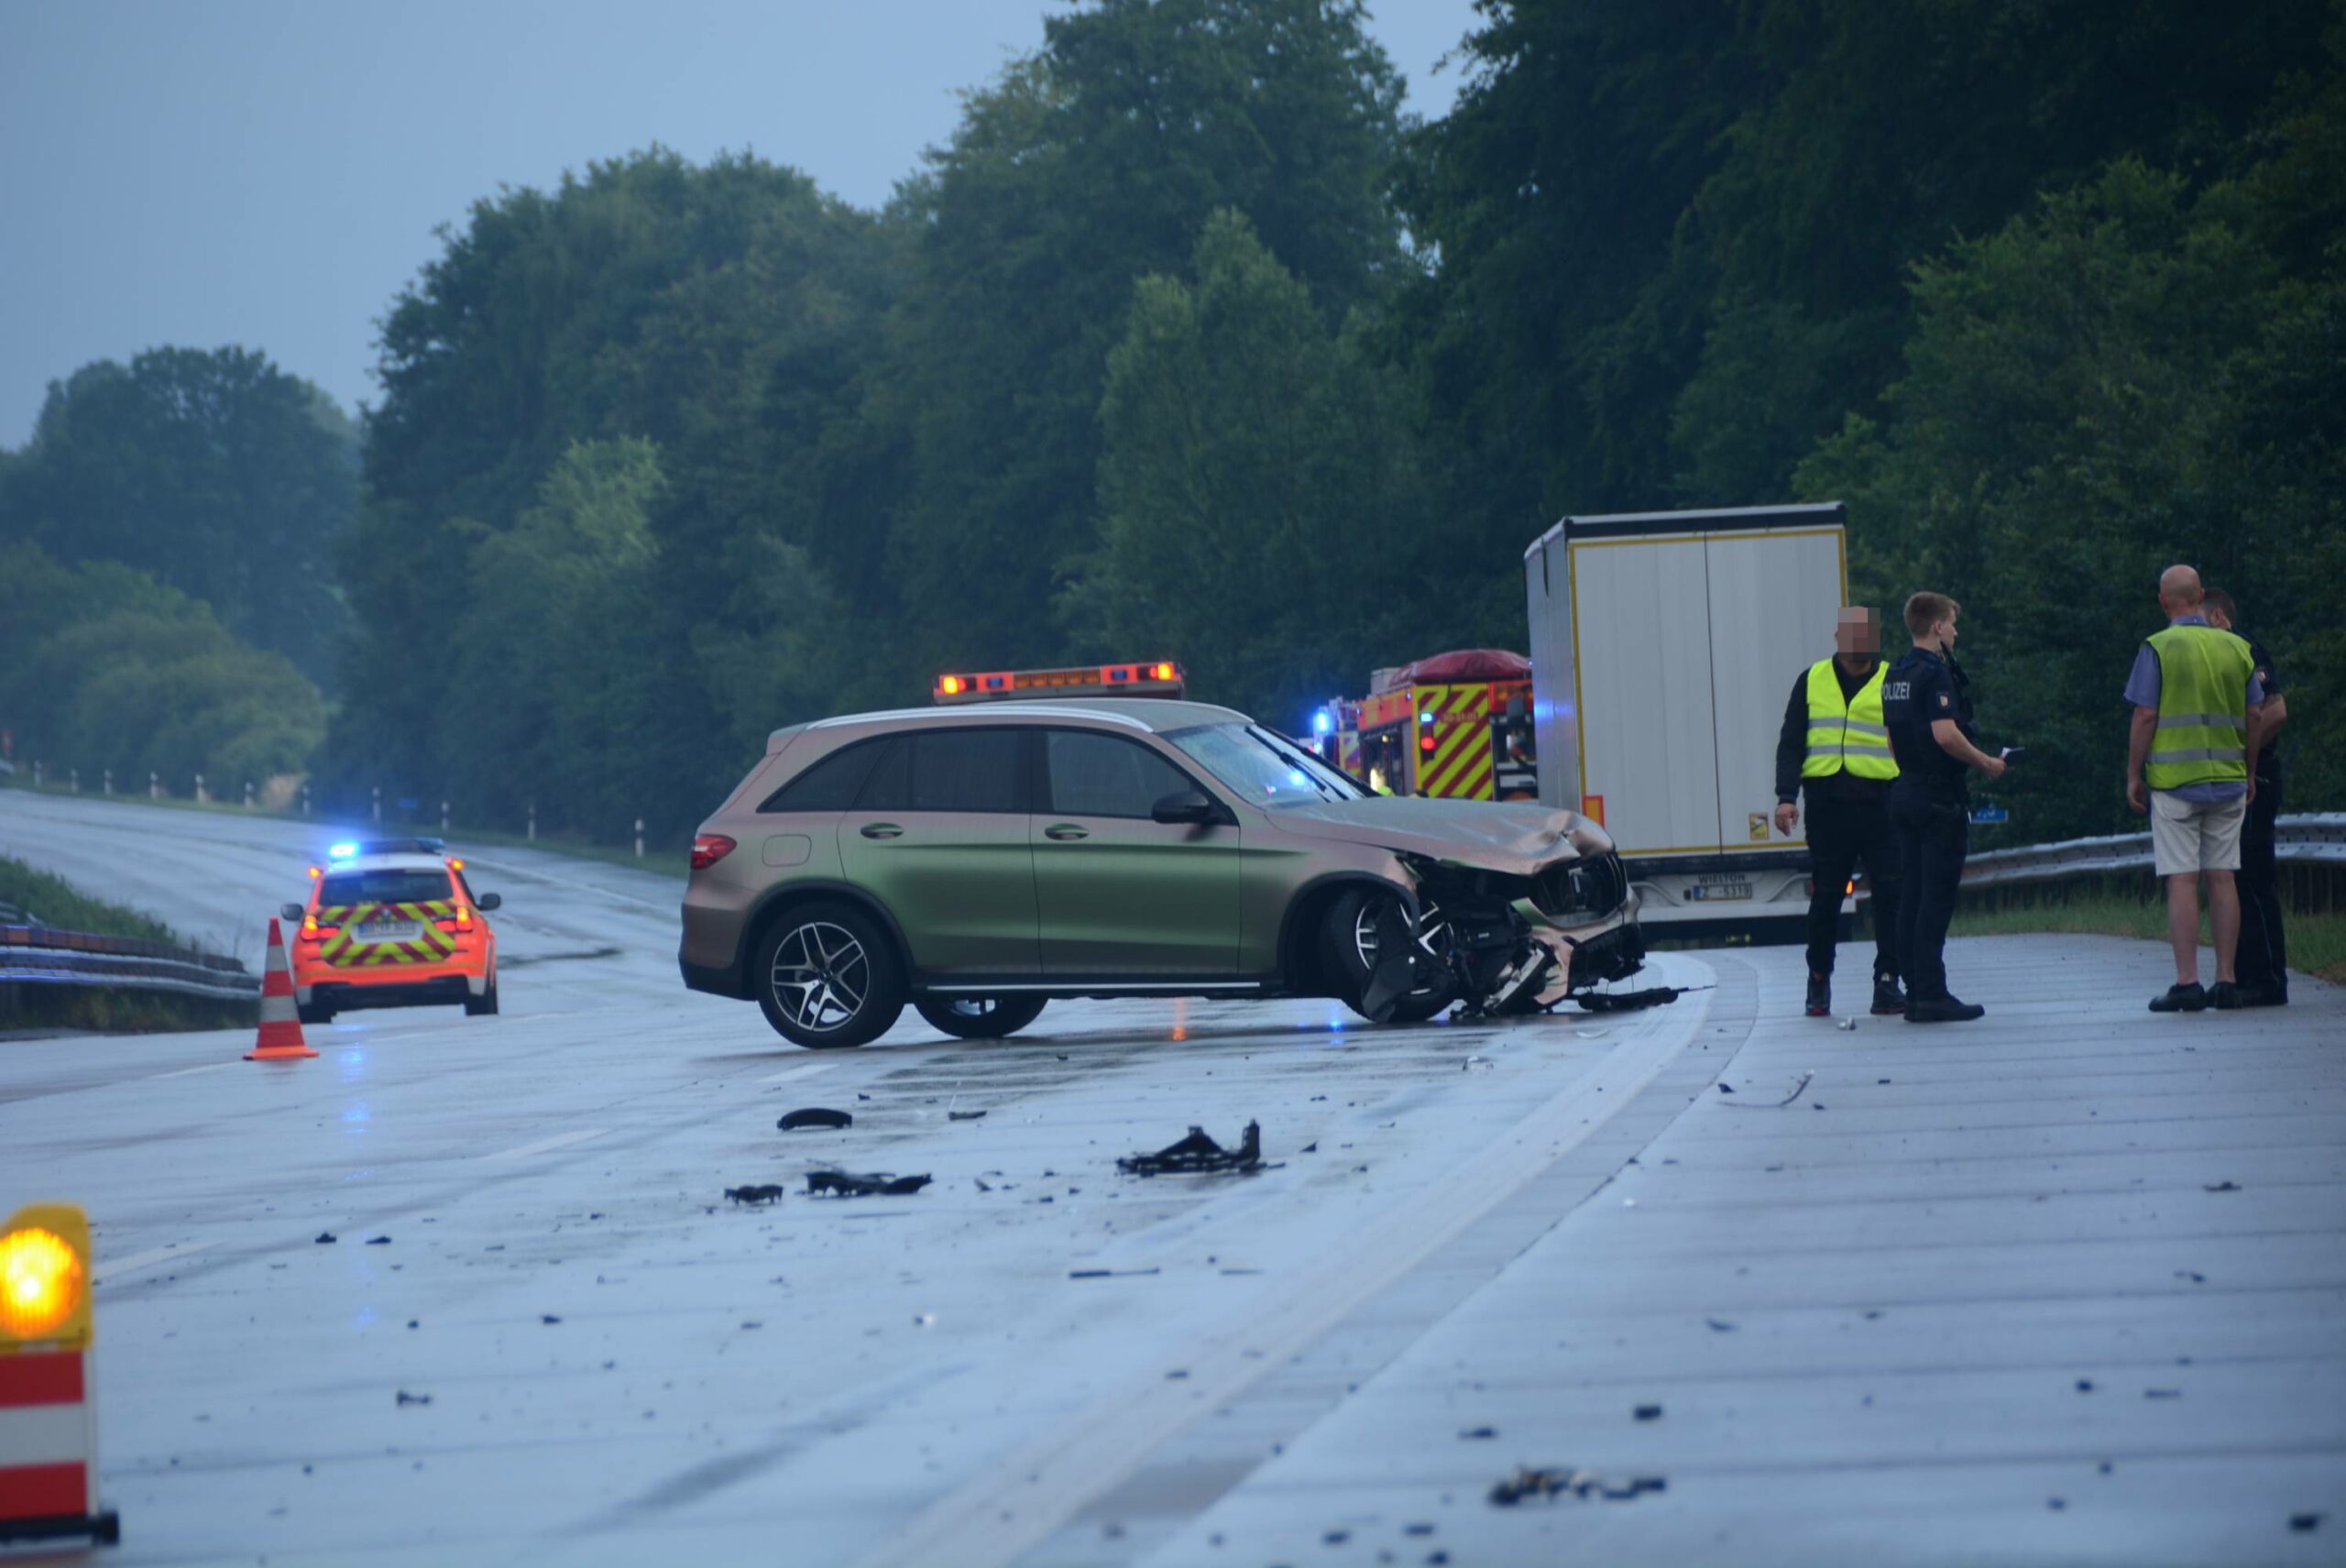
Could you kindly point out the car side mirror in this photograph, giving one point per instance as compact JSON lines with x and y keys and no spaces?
{"x":1189,"y":805}
{"x":488,"y":901}
{"x":292,"y":911}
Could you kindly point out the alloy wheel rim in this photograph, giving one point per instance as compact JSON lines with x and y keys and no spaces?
{"x":821,"y":976}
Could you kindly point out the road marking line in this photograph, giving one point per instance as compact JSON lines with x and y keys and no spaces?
{"x":186,"y":1071}
{"x":791,"y":1074}
{"x":1055,"y":1475}
{"x":174,"y":1250}
{"x":544,"y":1146}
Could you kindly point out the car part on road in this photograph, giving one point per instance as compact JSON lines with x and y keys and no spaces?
{"x":1548,"y":1483}
{"x":848,"y":1184}
{"x":978,"y":1017}
{"x":1631,"y":1001}
{"x":1198,"y":1154}
{"x":766,"y":1193}
{"x":813,"y":1116}
{"x":827,"y":978}
{"x":964,"y":1115}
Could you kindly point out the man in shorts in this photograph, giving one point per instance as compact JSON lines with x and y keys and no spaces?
{"x":2195,"y":728}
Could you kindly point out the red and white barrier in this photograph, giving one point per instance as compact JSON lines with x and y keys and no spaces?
{"x":49,"y":1440}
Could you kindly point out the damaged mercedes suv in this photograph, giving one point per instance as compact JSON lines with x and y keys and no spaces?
{"x":980,"y":861}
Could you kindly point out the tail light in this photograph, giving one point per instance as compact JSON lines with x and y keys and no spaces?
{"x":314,"y":932}
{"x":457,"y":924}
{"x":708,"y":849}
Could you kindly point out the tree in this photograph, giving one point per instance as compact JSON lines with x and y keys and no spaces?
{"x":218,"y":472}
{"x":1263,"y":511}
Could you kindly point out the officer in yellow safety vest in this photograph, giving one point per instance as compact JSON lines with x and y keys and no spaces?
{"x":1835,"y":748}
{"x":2199,"y":723}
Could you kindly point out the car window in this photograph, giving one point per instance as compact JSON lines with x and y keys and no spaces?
{"x":403,"y":886}
{"x":1262,"y":768}
{"x":1105,"y":775}
{"x":948,"y":770}
{"x":831,"y":784}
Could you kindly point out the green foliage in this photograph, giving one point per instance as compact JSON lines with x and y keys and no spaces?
{"x":1262,"y":511}
{"x":101,"y":667}
{"x":59,"y":905}
{"x":216,"y":473}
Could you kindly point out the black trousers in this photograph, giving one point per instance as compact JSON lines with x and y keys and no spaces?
{"x":2263,"y":950}
{"x":1932,"y":839}
{"x":1842,"y":834}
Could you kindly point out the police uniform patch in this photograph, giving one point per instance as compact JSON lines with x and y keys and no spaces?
{"x":1943,"y":699}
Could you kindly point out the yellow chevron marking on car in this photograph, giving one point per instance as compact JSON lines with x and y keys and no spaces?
{"x":429,"y":946}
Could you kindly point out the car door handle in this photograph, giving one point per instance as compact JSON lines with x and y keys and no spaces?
{"x":881,"y":831}
{"x":1066,"y":831}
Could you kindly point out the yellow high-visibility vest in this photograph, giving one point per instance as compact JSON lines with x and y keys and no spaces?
{"x":2203,"y":707}
{"x":1845,"y":734}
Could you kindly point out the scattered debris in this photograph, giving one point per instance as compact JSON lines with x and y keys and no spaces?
{"x":1311,"y":1147}
{"x":1849,"y":1025}
{"x":407,"y":1399}
{"x":2305,"y":1524}
{"x":813,"y":1116}
{"x":982,"y":1183}
{"x":2057,"y":1504}
{"x":924,"y":1319}
{"x":1417,"y":1529}
{"x":1107,"y":1273}
{"x":548,"y":1318}
{"x":1335,"y":1537}
{"x":325,"y":1237}
{"x":849,"y":1184}
{"x":2085,"y":1385}
{"x":1529,"y":1483}
{"x":1804,"y":1079}
{"x":2225,"y":1187}
{"x":379,"y":1241}
{"x":2161,"y":1393}
{"x":1719,"y":1325}
{"x":1726,"y":1089}
{"x":1477,"y":1064}
{"x":963,"y":1116}
{"x":1631,"y":1001}
{"x":1478,"y":1433}
{"x":1648,"y":1412}
{"x":2193,"y":1275}
{"x":764,"y":1192}
{"x":1198,"y":1154}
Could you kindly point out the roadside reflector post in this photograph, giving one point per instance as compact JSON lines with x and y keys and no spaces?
{"x":73,"y":780}
{"x":305,"y":800}
{"x":49,"y":1421}
{"x":443,"y":816}
{"x":639,"y":837}
{"x":154,"y":786}
{"x":248,"y":795}
{"x":533,"y":822}
{"x":109,"y":782}
{"x":378,"y":806}
{"x":36,"y":772}
{"x":200,"y":797}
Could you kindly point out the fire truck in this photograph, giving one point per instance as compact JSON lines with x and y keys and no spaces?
{"x":1457,"y":726}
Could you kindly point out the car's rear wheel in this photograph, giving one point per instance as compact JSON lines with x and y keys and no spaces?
{"x":1350,"y":945}
{"x":827,"y":978}
{"x":484,"y":1004}
{"x":978,"y":1017}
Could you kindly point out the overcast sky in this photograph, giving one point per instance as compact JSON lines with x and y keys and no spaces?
{"x":268,"y":172}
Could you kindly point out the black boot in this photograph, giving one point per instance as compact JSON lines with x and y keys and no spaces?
{"x":1888,"y":1000}
{"x":1820,"y":995}
{"x":2180,"y":999}
{"x":1942,"y":1010}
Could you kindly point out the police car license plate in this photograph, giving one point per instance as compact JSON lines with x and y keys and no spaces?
{"x":1712,"y":891}
{"x":386,"y":930}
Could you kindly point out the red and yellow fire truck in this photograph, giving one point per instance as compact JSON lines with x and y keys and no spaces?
{"x":1456,"y":726}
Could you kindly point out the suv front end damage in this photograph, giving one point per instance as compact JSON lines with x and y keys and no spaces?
{"x":1505,"y":942}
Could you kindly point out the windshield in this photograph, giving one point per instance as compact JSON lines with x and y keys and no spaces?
{"x":1262,"y":768}
{"x":398,"y":887}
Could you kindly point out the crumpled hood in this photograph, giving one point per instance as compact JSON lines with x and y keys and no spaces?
{"x":1514,"y":837}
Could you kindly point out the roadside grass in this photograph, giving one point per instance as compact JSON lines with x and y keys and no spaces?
{"x":46,"y":1009}
{"x":2316,"y":937}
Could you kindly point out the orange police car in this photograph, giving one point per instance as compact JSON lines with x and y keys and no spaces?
{"x":392,"y":923}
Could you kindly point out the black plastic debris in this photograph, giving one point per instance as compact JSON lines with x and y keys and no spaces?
{"x":2161,"y":1393}
{"x":2085,"y":1385}
{"x":849,"y":1184}
{"x":325,"y":1237}
{"x":813,"y":1116}
{"x":1648,"y":1412}
{"x":1719,"y":1325}
{"x":1548,"y":1484}
{"x":763,"y":1192}
{"x":1631,"y":1001}
{"x":1107,"y":1273}
{"x":1199,"y":1155}
{"x":379,"y":1241}
{"x":548,"y":1318}
{"x":2306,"y":1524}
{"x":1726,"y":1089}
{"x":407,"y":1399}
{"x":1479,"y":1433}
{"x":963,"y":1116}
{"x":2225,"y":1187}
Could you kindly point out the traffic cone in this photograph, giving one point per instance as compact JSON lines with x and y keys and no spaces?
{"x":280,"y":1020}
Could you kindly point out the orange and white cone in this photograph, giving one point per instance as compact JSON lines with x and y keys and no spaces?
{"x":280,"y":1020}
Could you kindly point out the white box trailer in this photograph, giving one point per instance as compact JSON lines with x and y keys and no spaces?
{"x":1664,"y":646}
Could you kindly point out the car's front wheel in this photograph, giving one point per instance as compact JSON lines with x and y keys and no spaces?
{"x":980,"y":1017}
{"x":827,"y":978}
{"x":1351,"y":946}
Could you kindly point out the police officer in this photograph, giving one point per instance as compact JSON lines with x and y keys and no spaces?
{"x":1835,"y":748}
{"x":1930,"y":735}
{"x":2263,"y":965}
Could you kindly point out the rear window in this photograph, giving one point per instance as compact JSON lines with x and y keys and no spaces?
{"x":830,"y":784}
{"x":950,"y":770}
{"x":383,"y":887}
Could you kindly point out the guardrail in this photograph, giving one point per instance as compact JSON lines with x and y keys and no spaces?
{"x":36,"y":955}
{"x":2311,"y":838}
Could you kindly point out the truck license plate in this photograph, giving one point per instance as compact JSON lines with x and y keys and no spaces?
{"x":1712,"y":891}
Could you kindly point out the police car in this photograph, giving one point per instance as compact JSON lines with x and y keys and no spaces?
{"x":392,"y":923}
